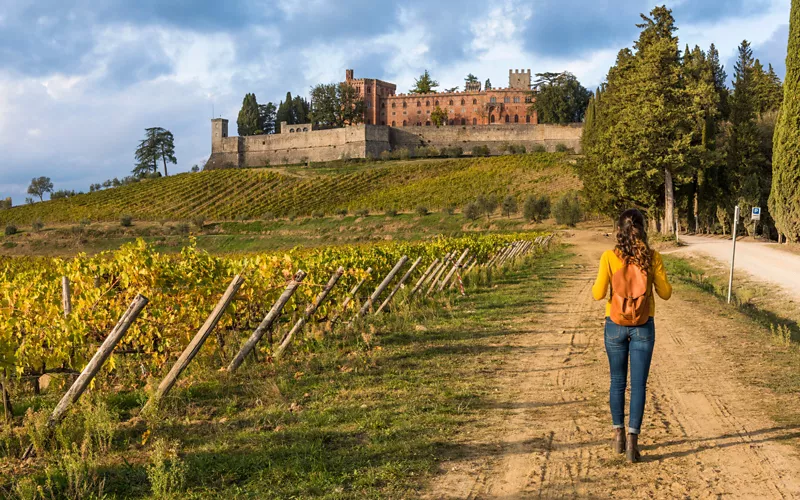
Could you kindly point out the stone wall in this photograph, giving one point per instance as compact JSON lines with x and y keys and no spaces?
{"x":493,"y":136}
{"x":358,"y":141}
{"x":362,"y":141}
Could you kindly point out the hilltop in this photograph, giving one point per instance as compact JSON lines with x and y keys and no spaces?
{"x":255,"y":193}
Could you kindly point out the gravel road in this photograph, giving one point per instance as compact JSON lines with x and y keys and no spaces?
{"x":763,"y":261}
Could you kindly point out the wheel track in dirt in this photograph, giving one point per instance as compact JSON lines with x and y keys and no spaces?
{"x":704,"y":434}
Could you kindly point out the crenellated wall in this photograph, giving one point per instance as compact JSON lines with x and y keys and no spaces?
{"x":369,"y":141}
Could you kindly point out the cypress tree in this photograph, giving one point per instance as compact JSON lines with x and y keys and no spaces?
{"x":284,"y":113}
{"x":248,"y":120}
{"x":785,"y":195}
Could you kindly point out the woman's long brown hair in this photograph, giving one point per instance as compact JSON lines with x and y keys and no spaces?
{"x":632,"y":239}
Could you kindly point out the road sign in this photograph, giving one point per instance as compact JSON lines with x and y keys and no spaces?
{"x":756,"y":213}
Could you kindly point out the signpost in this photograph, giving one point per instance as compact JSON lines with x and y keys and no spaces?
{"x":733,"y":253}
{"x":756,"y":214}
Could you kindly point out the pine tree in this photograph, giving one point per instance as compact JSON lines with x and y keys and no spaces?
{"x":784,"y":199}
{"x":487,"y":85}
{"x":720,"y":80}
{"x":424,"y":84}
{"x":749,"y":168}
{"x":471,"y":78}
{"x":248,"y":120}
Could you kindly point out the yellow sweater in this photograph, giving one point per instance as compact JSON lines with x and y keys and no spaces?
{"x":610,"y":263}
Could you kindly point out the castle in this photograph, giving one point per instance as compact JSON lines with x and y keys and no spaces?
{"x":494,"y":118}
{"x":471,"y":107}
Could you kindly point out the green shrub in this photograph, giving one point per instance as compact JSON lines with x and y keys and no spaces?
{"x":386,"y":155}
{"x":199,"y":221}
{"x":37,"y":225}
{"x":126,"y":221}
{"x":341,"y":212}
{"x":85,"y":222}
{"x":402,"y":154}
{"x":452,"y":152}
{"x":391,"y":212}
{"x":487,"y":204}
{"x":518,"y":149}
{"x":536,"y":208}
{"x":539,"y":148}
{"x":422,"y":210}
{"x":450,"y":209}
{"x":472,"y":211}
{"x":362,"y":213}
{"x":182,"y":228}
{"x":480,"y":151}
{"x":318,"y":215}
{"x":567,"y":210}
{"x":11,"y":229}
{"x":561,"y":148}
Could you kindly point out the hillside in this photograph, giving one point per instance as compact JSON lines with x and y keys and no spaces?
{"x":252,"y":193}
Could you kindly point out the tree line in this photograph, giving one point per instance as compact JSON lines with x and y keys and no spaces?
{"x":665,"y":133}
{"x":259,"y":119}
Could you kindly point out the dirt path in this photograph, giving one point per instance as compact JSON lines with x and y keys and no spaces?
{"x":762,"y":261}
{"x":548,"y":431}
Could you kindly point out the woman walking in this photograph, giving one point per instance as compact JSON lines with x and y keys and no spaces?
{"x":632,"y":270}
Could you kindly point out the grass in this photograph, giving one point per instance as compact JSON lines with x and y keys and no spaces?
{"x":235,"y":194}
{"x":352,"y":416}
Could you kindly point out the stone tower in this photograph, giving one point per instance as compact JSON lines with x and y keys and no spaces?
{"x":219,"y":130}
{"x":472,"y":87}
{"x":519,"y":79}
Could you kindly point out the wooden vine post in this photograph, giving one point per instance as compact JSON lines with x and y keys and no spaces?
{"x":448,"y":259}
{"x":266,"y":323}
{"x":310,"y":310}
{"x":66,"y":301}
{"x":100,"y":357}
{"x":379,"y":290}
{"x":199,"y":339}
{"x":399,"y":284}
{"x":350,"y":296}
{"x":453,"y":270}
{"x":438,"y":269}
{"x":423,"y":278}
{"x":7,"y":408}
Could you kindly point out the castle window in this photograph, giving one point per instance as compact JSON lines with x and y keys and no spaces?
{"x":528,"y":99}
{"x":405,"y":112}
{"x":394,"y":113}
{"x":516,"y":99}
{"x":369,"y":104}
{"x":463,"y":102}
{"x":474,"y":121}
{"x":383,"y":122}
{"x":463,"y":121}
{"x":393,"y":104}
{"x":369,"y":90}
{"x":491,"y":119}
{"x":436,"y":103}
{"x":404,"y":123}
{"x":405,"y":104}
{"x":291,"y":130}
{"x":419,"y":112}
{"x":383,"y":104}
{"x":474,"y":101}
{"x":428,"y":124}
{"x":516,"y":118}
{"x":451,"y":102}
{"x":305,"y":129}
{"x":506,"y":99}
{"x":528,"y":119}
{"x":508,"y":118}
{"x":419,"y":124}
{"x":419,"y":103}
{"x":451,"y":121}
{"x":392,"y":124}
{"x":427,"y":103}
{"x":493,"y":100}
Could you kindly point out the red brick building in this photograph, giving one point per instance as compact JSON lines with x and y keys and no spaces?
{"x":472,"y":107}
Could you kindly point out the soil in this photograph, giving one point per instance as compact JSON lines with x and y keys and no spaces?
{"x":548,"y":433}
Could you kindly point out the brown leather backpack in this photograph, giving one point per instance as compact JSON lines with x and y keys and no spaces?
{"x":630,"y":289}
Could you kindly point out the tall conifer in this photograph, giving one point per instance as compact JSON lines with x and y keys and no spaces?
{"x":784,"y":199}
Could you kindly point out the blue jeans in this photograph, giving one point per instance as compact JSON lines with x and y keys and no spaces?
{"x":639,"y":342}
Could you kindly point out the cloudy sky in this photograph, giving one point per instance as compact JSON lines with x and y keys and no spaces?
{"x":81,"y":79}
